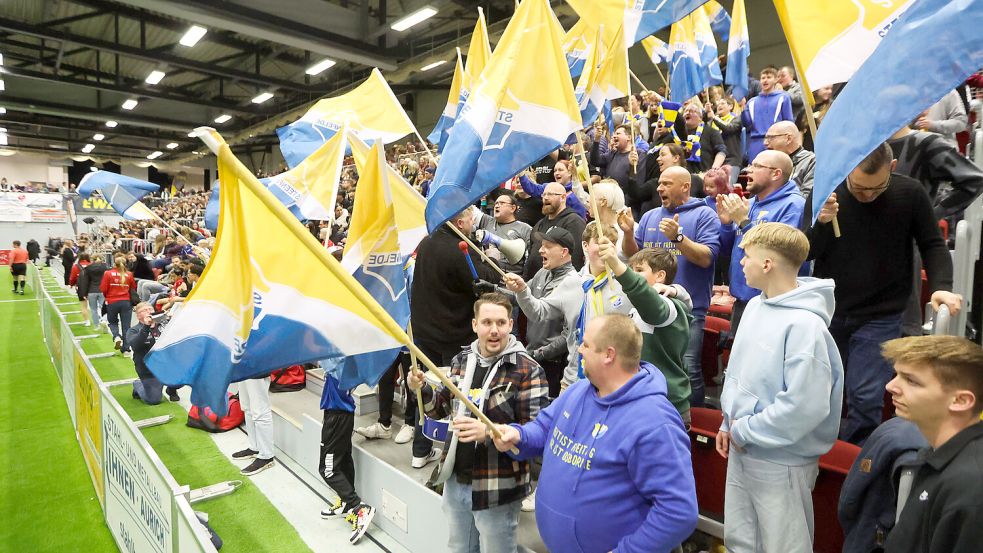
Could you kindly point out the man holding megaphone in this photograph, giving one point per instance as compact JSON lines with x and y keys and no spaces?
{"x":503,"y":232}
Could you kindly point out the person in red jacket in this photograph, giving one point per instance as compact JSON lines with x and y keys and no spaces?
{"x":116,"y":286}
{"x":82,"y":262}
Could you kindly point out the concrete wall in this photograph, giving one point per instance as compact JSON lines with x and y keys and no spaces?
{"x":22,"y":168}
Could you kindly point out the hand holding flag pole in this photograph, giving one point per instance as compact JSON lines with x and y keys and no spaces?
{"x":415,"y":369}
{"x":219,"y":147}
{"x":593,"y":202}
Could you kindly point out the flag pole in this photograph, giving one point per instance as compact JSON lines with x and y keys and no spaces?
{"x":220,"y":148}
{"x":416,"y":369}
{"x":456,"y":230}
{"x":593,"y":201}
{"x":200,"y":251}
{"x":637,"y":80}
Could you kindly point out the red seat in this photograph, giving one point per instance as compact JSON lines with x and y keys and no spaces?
{"x":721,"y":310}
{"x":713,"y":360}
{"x":833,"y":468}
{"x":709,"y":468}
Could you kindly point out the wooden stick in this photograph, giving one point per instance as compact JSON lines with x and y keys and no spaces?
{"x":593,"y":204}
{"x":217,"y":144}
{"x":415,"y":369}
{"x":637,"y":80}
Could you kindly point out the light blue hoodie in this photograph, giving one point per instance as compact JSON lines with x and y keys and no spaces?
{"x":784,"y":387}
{"x":617,"y":471}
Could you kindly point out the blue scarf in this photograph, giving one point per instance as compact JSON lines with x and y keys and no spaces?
{"x":592,"y":293}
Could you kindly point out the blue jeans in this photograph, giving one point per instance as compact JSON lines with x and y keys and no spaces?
{"x":867,"y":372}
{"x":149,"y":390}
{"x":116,"y":313}
{"x":694,"y":360}
{"x":96,"y":299}
{"x":486,"y":531}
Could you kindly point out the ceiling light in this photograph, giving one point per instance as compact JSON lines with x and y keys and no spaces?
{"x":320,"y":66}
{"x":192,"y":134}
{"x":430,"y":66}
{"x":3,"y":130}
{"x":193,"y":35}
{"x":2,"y":86}
{"x":7,"y":152}
{"x":172,"y":145}
{"x":154,"y":77}
{"x":98,"y":136}
{"x":3,"y":139}
{"x":111,"y":124}
{"x":155,"y":155}
{"x":129,"y":104}
{"x":414,"y":18}
{"x":88,"y":148}
{"x":1,"y":59}
{"x":262,"y":97}
{"x":223,"y":118}
{"x":93,"y":168}
{"x":3,"y":111}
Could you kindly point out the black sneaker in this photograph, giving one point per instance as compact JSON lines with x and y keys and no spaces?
{"x":360,"y":518}
{"x":257,"y":466}
{"x":245,"y":454}
{"x":172,"y":395}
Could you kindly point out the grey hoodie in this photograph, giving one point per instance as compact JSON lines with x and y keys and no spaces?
{"x":784,"y":386}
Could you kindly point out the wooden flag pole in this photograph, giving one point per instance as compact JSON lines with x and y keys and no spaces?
{"x":217,"y":144}
{"x":415,"y":369}
{"x":593,"y":202}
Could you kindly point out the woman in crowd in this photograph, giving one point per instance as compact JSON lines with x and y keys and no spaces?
{"x":116,"y":286}
{"x":565,"y":173}
{"x":610,"y":205}
{"x":90,"y":280}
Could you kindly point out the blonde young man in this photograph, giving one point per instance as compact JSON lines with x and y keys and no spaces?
{"x":781,"y":400}
{"x":939,"y":386}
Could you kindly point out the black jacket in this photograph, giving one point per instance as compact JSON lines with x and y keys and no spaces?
{"x":90,"y":277}
{"x":33,"y":249}
{"x":567,"y":219}
{"x":944,"y":512}
{"x":141,"y":338}
{"x":442,"y":298}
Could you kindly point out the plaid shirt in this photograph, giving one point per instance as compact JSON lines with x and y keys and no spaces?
{"x":516,"y":394}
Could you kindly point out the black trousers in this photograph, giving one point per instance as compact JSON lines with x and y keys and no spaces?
{"x":440,"y":355}
{"x":337,"y":467}
{"x":387,"y":390}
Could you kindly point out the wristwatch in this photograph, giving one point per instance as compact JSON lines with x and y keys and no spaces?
{"x":679,"y":237}
{"x":744,"y":223}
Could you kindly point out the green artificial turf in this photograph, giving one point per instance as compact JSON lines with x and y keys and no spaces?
{"x":47,"y":502}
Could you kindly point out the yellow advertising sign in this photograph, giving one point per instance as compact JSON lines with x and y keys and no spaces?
{"x":88,"y":422}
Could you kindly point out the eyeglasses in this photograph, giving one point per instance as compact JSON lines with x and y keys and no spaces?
{"x":773,"y":136}
{"x":553,"y":194}
{"x":504,"y":203}
{"x":868,"y":190}
{"x":757,"y":165}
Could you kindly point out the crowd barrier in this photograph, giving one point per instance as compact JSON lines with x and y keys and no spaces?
{"x":145,"y":509}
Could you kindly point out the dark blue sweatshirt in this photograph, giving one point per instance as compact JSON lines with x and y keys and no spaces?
{"x":610,"y":483}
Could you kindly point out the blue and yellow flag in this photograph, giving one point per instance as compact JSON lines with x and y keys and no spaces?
{"x":719,"y":18}
{"x":830,"y":40}
{"x":905,"y":75}
{"x":658,"y":51}
{"x":479,"y":54}
{"x":686,"y":74}
{"x":439,"y":134}
{"x":707,"y":45}
{"x":522,"y":108}
{"x":374,"y":257}
{"x":578,"y":43}
{"x":606,"y":82}
{"x":310,"y":189}
{"x":738,"y":51}
{"x":637,"y":18}
{"x":270,"y":297}
{"x":407,"y":205}
{"x":371,"y":112}
{"x":122,"y":192}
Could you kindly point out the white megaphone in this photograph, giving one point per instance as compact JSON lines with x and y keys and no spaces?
{"x":513,"y":250}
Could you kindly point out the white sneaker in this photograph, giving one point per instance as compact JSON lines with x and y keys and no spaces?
{"x":375,"y":431}
{"x":420,"y":462}
{"x":405,"y":434}
{"x":529,"y":503}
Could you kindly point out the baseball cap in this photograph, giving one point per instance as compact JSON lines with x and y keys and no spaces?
{"x":561,"y":236}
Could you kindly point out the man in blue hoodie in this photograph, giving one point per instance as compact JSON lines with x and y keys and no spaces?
{"x":617,"y":469}
{"x":781,"y":400}
{"x":776,"y":199}
{"x":764,"y":110}
{"x":691,"y":231}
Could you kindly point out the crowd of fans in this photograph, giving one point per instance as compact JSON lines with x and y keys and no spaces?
{"x":700,"y":210}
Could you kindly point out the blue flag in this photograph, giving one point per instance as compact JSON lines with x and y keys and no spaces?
{"x":738,"y":51}
{"x":211,"y":209}
{"x":931,"y":49}
{"x":123,"y":193}
{"x":687,"y":76}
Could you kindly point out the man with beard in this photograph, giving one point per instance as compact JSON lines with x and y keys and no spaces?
{"x":557,"y":214}
{"x":505,"y":225}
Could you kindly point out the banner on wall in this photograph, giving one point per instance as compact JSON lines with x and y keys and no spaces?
{"x":138,"y":500}
{"x":88,"y":422}
{"x":25,"y":207}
